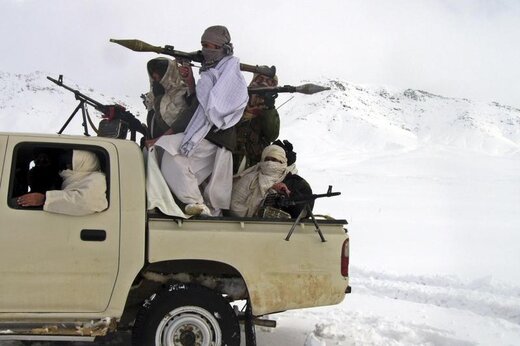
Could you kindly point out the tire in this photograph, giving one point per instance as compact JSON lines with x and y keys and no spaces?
{"x":186,"y":315}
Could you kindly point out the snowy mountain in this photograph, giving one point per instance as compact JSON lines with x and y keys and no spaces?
{"x":431,"y":189}
{"x":368,"y":118}
{"x":32,"y":103}
{"x":359,"y":118}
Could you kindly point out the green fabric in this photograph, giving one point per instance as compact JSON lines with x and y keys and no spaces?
{"x":270,"y":125}
{"x":253,"y":135}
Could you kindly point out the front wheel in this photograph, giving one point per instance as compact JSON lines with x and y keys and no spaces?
{"x":186,"y":315}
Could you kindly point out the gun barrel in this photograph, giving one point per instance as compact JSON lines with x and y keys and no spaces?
{"x":310,"y":198}
{"x":328,"y":194}
{"x":99,"y":106}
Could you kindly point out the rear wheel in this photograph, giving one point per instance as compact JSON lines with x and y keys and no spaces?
{"x":186,"y":315}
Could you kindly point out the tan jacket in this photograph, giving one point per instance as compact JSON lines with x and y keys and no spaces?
{"x":169,"y":106}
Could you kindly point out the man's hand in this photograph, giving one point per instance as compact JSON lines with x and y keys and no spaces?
{"x":150,"y":142}
{"x":186,"y":73}
{"x":269,"y":99}
{"x":281,"y":188}
{"x":33,"y":199}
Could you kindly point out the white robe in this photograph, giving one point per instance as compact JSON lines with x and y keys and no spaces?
{"x":222,"y":95}
{"x":157,"y":191}
{"x":83,"y":189}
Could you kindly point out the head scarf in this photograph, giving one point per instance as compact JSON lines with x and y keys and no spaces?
{"x":159,"y":66}
{"x":260,"y":81}
{"x":84,"y":163}
{"x":276,"y":152}
{"x":219,"y":36}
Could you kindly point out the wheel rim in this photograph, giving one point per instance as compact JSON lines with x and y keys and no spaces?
{"x":188,"y":326}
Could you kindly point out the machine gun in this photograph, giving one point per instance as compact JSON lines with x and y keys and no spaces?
{"x":307,"y":210}
{"x":116,"y":119}
{"x":140,"y":46}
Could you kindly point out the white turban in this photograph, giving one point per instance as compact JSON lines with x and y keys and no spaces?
{"x":276,"y":152}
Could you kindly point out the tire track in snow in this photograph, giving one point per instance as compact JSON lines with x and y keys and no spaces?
{"x":479,"y":296}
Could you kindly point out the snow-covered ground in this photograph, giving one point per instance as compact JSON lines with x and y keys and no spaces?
{"x":430,"y":187}
{"x":434,"y":251}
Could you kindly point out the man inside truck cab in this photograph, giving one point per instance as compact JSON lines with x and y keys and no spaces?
{"x":83,"y":190}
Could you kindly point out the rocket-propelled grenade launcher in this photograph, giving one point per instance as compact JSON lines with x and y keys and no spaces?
{"x":307,"y":89}
{"x":140,"y":46}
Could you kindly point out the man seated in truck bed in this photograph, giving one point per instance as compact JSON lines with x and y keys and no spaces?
{"x":83,"y":189}
{"x":269,"y":177}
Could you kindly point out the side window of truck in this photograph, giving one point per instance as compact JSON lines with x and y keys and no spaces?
{"x":36,"y":167}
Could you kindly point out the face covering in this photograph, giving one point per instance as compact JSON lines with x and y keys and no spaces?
{"x":212,"y":56}
{"x":272,"y":168}
{"x":157,"y":89}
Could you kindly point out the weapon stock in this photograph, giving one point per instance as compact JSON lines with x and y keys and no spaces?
{"x":141,"y":46}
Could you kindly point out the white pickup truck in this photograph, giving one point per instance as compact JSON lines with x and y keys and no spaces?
{"x":171,"y":281}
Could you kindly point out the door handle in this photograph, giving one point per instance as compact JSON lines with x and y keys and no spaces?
{"x":93,"y":235}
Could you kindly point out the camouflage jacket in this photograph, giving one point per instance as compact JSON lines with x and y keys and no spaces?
{"x":254,"y":133}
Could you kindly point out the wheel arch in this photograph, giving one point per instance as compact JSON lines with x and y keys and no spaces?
{"x":218,"y":276}
{"x":196,"y":266}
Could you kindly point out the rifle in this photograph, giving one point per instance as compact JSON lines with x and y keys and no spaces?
{"x":140,"y":46}
{"x":116,"y":119}
{"x":307,"y":210}
{"x":307,"y":89}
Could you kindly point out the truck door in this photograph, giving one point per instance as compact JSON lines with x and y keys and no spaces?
{"x":52,"y":262}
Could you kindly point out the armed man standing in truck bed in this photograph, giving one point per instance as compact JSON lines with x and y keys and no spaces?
{"x":204,"y":149}
{"x":259,"y":126}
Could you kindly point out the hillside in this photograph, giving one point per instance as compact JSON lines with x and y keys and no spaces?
{"x":372,"y":119}
{"x":362,"y":119}
{"x":32,"y":103}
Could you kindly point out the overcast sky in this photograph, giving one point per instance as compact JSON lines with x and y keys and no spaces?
{"x":458,"y":48}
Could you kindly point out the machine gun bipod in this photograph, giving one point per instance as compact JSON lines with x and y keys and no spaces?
{"x":308,"y":211}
